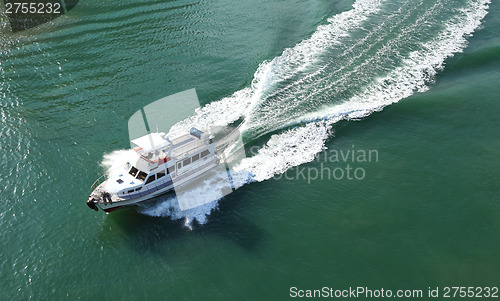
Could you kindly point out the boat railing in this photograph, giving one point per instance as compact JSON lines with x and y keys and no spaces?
{"x":97,"y":182}
{"x":180,"y":150}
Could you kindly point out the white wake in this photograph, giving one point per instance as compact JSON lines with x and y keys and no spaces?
{"x":303,"y":137}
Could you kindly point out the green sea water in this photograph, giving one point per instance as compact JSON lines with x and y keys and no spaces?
{"x":414,"y":81}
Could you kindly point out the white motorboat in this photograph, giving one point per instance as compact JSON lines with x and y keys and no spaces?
{"x":158,"y":165}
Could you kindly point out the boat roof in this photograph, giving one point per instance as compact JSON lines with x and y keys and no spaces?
{"x":187,"y":144}
{"x":155,"y":146}
{"x":151,"y":142}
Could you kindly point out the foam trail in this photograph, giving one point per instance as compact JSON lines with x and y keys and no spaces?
{"x":300,"y":145}
{"x":293,"y":61}
{"x":204,"y":199}
{"x":305,"y":54}
{"x":291,"y":148}
{"x":415,"y":72}
{"x":380,"y":56}
{"x":169,"y":207}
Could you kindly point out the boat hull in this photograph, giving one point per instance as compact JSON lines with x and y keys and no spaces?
{"x":178,"y":181}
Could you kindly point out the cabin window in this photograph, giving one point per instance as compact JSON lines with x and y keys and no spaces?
{"x":133,"y":171}
{"x":137,"y":189}
{"x":151,"y":178}
{"x":195,"y":157}
{"x":160,"y":174}
{"x":171,"y":169}
{"x":142,"y":175}
{"x":179,"y":165}
{"x":205,"y":153}
{"x":130,"y":191}
{"x":186,"y":161}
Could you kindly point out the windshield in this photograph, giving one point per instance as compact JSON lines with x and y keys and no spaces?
{"x":133,"y":171}
{"x":142,"y":175}
{"x":138,"y":174}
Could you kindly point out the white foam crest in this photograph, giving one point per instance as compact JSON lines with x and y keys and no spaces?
{"x":170,"y":208}
{"x":283,"y":151}
{"x":116,"y":160}
{"x":202,"y":200}
{"x":219,"y":113}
